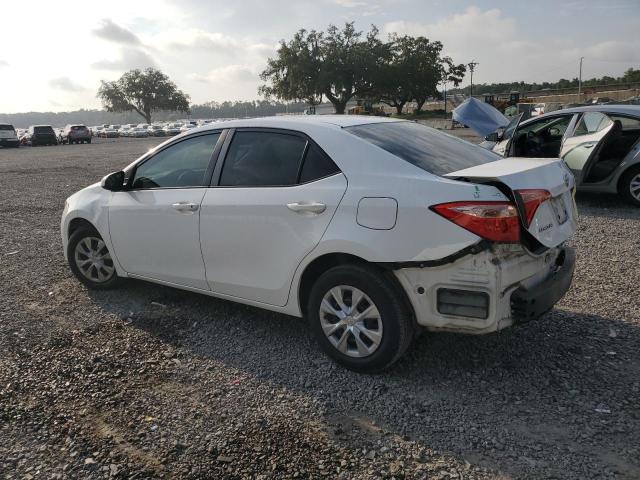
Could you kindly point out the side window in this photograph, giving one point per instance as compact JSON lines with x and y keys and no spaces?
{"x":260,"y":159}
{"x":591,"y":122}
{"x":316,"y":165}
{"x":181,"y":165}
{"x":627,"y":123}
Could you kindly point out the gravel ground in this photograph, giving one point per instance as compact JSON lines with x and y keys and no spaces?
{"x":151,"y":382}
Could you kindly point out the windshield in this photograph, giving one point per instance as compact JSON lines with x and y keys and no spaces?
{"x":425,"y":147}
{"x":43,"y":130}
{"x":509,"y":129}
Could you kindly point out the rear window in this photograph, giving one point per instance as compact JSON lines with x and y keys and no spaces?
{"x":43,"y":130}
{"x":6,"y":127}
{"x":426,"y":148}
{"x":78,"y":127}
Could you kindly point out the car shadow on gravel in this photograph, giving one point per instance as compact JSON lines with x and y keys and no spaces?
{"x":552,"y":396}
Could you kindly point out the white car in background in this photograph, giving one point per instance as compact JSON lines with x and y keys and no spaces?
{"x":371,"y":228}
{"x":599,"y":143}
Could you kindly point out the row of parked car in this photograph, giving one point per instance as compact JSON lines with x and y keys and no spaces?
{"x":48,"y":135}
{"x":142,"y":130}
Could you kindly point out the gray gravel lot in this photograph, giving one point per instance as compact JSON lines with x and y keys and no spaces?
{"x":152,"y":382}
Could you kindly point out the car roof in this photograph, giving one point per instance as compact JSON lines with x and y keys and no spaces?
{"x":293,"y":121}
{"x":613,"y":108}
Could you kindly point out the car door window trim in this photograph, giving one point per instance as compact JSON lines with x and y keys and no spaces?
{"x":222,"y":157}
{"x":208,"y":172}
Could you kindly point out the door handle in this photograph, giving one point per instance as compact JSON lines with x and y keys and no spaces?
{"x":307,"y":207}
{"x":185,"y":207}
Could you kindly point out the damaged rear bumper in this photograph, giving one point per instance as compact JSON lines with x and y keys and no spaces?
{"x":489,"y":290}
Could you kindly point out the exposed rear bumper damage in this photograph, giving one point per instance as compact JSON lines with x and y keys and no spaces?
{"x":489,"y":290}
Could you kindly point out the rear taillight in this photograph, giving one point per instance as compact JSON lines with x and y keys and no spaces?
{"x":494,"y":221}
{"x":532,"y":199}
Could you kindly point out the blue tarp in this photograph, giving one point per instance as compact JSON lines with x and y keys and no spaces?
{"x":481,"y":117}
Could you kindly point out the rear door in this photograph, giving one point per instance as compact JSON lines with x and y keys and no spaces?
{"x":555,"y":219}
{"x":272,"y":201}
{"x":579,"y":148}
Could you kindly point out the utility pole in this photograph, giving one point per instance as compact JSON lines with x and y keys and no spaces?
{"x":472,"y":65}
{"x":580,"y":82}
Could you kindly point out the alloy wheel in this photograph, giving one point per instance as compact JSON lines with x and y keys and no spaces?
{"x":634,"y":187}
{"x":351,"y":321}
{"x":94,"y":260}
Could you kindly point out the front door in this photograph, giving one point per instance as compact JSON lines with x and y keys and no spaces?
{"x":275,"y":197}
{"x":154,"y":224}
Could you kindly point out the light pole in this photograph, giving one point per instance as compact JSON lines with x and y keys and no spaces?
{"x":580,"y":82}
{"x":472,"y":66}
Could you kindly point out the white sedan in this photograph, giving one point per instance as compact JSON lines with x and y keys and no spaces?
{"x":371,"y":228}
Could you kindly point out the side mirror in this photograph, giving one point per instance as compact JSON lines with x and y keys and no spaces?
{"x":492,"y":137}
{"x":113,"y":182}
{"x":500,"y":134}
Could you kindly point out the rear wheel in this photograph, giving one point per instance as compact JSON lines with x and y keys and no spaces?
{"x":359,"y":318}
{"x":630,"y":186}
{"x":90,"y":259}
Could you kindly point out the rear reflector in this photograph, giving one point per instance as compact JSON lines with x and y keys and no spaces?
{"x":463,"y":303}
{"x":532,"y":199}
{"x":494,"y":221}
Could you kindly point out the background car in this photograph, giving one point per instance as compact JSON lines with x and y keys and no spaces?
{"x":172,"y":129}
{"x":8,"y":136}
{"x":109,"y":132}
{"x":138,"y":132}
{"x":156,"y":131}
{"x":75,"y":134}
{"x":370,"y":228}
{"x":599,"y":143}
{"x":41,"y":135}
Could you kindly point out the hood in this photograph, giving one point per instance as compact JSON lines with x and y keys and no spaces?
{"x":481,"y":117}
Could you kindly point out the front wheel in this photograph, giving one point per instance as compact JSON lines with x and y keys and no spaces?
{"x":90,"y":259}
{"x":630,"y":186}
{"x":359,"y":318}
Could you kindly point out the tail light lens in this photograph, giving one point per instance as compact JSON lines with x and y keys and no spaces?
{"x":532,"y":199}
{"x":494,"y":221}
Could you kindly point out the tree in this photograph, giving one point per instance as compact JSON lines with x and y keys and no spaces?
{"x":338,"y":64}
{"x":144,"y":92}
{"x":295,"y":72}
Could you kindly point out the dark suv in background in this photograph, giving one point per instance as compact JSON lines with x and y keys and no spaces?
{"x":41,"y":135}
{"x":75,"y":134}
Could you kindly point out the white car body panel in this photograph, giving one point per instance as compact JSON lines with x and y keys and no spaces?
{"x":246,"y":245}
{"x":154,"y":239}
{"x":232,"y":219}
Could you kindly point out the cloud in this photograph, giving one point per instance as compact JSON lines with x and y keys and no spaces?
{"x":66,"y":84}
{"x":229,"y":74}
{"x":496,"y":41}
{"x":350,"y":3}
{"x":4,"y":63}
{"x":115,"y":33}
{"x":128,"y":60}
{"x":200,"y":40}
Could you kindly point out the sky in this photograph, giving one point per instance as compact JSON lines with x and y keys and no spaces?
{"x":53,"y":58}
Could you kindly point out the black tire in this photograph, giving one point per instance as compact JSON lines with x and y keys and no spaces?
{"x":78,"y":236}
{"x":398,"y":325}
{"x":624,"y":187}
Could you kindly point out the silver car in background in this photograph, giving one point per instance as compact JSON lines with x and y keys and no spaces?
{"x":599,"y":143}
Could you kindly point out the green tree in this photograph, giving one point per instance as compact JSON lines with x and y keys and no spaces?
{"x":339,"y":64}
{"x":295,"y":72}
{"x":143,"y":92}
